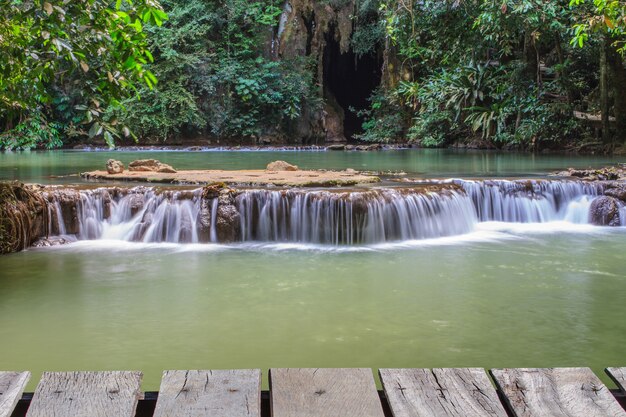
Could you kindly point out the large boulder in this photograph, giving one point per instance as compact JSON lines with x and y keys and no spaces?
{"x":605,"y":211}
{"x":203,"y":221}
{"x":137,"y":201}
{"x":228,"y":219}
{"x":616,"y":190}
{"x":210,"y":194}
{"x":115,"y":167}
{"x":281,"y":166}
{"x":150,"y":165}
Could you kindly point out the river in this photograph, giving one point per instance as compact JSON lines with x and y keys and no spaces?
{"x":500,"y":294}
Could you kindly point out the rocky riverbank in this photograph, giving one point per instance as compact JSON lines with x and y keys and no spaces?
{"x":278,"y":173}
{"x":250,"y":148}
{"x":610,"y":173}
{"x":52,"y":215}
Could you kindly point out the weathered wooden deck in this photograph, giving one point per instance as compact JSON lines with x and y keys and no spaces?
{"x":467,"y":392}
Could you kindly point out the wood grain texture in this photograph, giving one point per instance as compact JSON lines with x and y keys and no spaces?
{"x":12,"y":386}
{"x":235,"y":393}
{"x":324,"y":393}
{"x":465,"y":392}
{"x":619,"y":376}
{"x":556,"y":392}
{"x":86,"y":394}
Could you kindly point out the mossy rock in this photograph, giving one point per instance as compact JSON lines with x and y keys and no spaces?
{"x":23,"y":216}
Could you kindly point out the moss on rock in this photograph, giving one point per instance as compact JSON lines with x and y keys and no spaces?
{"x":23,"y":217}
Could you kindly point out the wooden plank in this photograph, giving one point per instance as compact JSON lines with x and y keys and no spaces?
{"x":12,"y":386}
{"x":465,"y":392}
{"x":556,"y":392}
{"x":324,"y":393}
{"x":235,"y":393}
{"x":592,"y":117}
{"x":86,"y":394}
{"x":619,"y":376}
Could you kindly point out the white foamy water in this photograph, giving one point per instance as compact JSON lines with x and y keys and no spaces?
{"x":454,"y":211}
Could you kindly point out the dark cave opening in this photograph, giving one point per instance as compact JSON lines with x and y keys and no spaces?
{"x":350,"y":80}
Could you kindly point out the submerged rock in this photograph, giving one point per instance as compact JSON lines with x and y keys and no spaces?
{"x":52,"y":241}
{"x":374,"y":147}
{"x":115,"y":167}
{"x":281,"y":166}
{"x":150,"y":165}
{"x":605,"y":211}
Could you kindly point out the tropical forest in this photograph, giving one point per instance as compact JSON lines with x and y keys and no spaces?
{"x":298,"y":208}
{"x":527,"y":75}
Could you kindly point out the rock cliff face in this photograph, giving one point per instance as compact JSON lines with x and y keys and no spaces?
{"x":321,"y":31}
{"x":305,"y":26}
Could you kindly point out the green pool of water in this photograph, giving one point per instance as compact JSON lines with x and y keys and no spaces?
{"x":491,"y":299}
{"x":526,"y":297}
{"x":46,"y":167}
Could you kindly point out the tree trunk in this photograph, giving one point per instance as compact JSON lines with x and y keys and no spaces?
{"x":562,"y":74}
{"x":604,"y":93}
{"x":618,"y":88}
{"x":530,"y":56}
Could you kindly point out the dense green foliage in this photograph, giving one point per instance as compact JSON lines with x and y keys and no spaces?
{"x":215,"y":76}
{"x":495,"y":73}
{"x":69,"y":61}
{"x":500,"y":73}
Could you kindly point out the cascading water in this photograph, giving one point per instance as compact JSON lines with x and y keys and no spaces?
{"x":448,"y":208}
{"x":531,"y":201}
{"x":353,"y":217}
{"x":141,"y":215}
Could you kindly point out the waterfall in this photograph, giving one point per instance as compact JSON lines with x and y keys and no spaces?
{"x":353,"y":217}
{"x":139,"y":214}
{"x":529,"y":201}
{"x":447,"y":208}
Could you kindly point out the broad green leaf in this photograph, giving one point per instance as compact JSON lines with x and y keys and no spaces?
{"x":95,"y":130}
{"x":108,"y":138}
